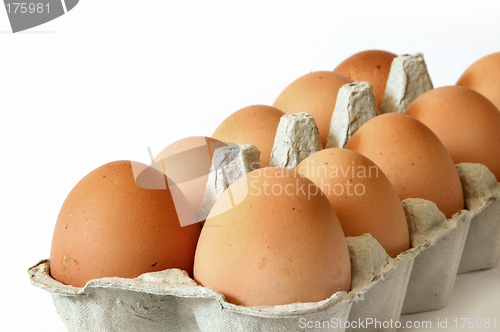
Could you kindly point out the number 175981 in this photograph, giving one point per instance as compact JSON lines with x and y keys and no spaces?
{"x":23,"y":7}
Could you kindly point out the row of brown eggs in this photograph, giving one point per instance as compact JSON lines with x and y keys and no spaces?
{"x":286,"y":245}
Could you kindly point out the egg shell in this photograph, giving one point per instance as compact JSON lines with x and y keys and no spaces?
{"x":372,"y":66}
{"x":111,"y":226}
{"x":314,"y":93}
{"x":413,"y":158}
{"x":465,"y":121}
{"x":273,"y":239}
{"x":362,"y":196}
{"x":483,"y":76}
{"x":187,"y":163}
{"x":255,"y":125}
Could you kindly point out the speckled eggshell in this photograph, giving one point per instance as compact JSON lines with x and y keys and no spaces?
{"x":362,"y":196}
{"x":111,"y":226}
{"x":187,"y":163}
{"x":465,"y":121}
{"x":413,"y":158}
{"x":483,"y":76}
{"x":267,"y":242}
{"x":314,"y":93}
{"x":256,"y":125}
{"x":372,"y":66}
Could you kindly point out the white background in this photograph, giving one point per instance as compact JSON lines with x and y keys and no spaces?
{"x":73,"y":90}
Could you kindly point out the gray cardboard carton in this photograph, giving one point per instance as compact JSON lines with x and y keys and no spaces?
{"x":171,"y":301}
{"x":441,"y":241}
{"x":482,"y":198}
{"x":380,"y":294}
{"x":417,"y":280}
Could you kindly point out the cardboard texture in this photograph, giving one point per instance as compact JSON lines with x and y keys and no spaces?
{"x":382,"y":292}
{"x":382,"y":287}
{"x":170,"y":301}
{"x":420,"y":279}
{"x":297,"y":137}
{"x":229,"y":163}
{"x":482,"y":198}
{"x":441,"y":242}
{"x":355,"y":105}
{"x":408,"y":79}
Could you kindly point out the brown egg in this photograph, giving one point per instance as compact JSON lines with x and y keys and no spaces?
{"x":273,"y":239}
{"x":256,"y":125}
{"x":465,"y":121}
{"x":362,"y":196}
{"x":315,"y":93}
{"x":187,"y":163}
{"x":371,"y":66}
{"x":484,"y":77}
{"x":111,"y":226}
{"x":413,"y":158}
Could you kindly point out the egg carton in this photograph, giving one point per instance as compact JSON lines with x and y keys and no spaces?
{"x":382,"y":287}
{"x":171,"y":301}
{"x":482,"y":198}
{"x":439,"y":254}
{"x":381,"y":298}
{"x":403,"y":287}
{"x":408,"y":79}
{"x":438,"y":261}
{"x":381,"y":294}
